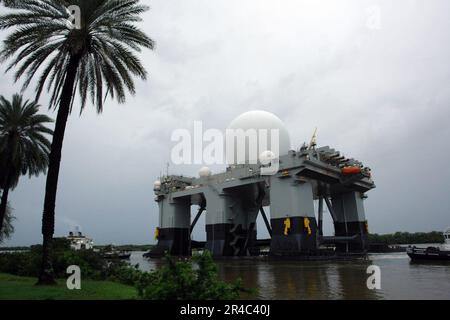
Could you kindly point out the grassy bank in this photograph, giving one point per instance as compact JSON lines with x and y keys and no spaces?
{"x":23,"y":288}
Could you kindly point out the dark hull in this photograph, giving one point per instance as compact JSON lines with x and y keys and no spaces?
{"x":121,"y":256}
{"x":430,"y":254}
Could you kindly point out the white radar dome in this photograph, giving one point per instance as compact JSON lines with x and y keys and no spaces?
{"x":266,"y":156}
{"x":157,"y":185}
{"x":270,"y":141}
{"x":204,"y":172}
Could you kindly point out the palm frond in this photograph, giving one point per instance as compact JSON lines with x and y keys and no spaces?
{"x":24,"y":144}
{"x":44,"y":39}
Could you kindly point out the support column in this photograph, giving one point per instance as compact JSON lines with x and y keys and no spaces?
{"x":293,"y":221}
{"x":244,"y":231}
{"x":219,"y":206}
{"x":320,"y":216}
{"x":231,"y":220}
{"x":173,"y":233}
{"x":350,"y":220}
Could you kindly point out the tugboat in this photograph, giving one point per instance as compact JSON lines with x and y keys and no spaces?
{"x":110,"y":253}
{"x":116,"y":255}
{"x":441,"y":253}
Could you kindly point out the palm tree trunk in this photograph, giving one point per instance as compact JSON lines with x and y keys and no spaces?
{"x":46,"y":275}
{"x":4,"y":201}
{"x":7,"y":182}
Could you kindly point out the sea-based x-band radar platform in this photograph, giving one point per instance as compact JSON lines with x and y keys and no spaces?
{"x":232,"y":201}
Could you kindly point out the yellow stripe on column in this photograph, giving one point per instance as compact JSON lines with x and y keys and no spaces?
{"x":287,"y":226}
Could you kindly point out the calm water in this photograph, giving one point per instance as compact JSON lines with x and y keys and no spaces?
{"x":400,"y":278}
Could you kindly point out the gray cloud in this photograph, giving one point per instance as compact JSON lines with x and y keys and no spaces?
{"x":380,"y":95}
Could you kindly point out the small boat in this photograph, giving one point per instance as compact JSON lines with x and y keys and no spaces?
{"x":116,"y":255}
{"x":440,"y":253}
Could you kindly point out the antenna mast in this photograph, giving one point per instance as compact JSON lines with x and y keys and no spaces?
{"x":313,"y":141}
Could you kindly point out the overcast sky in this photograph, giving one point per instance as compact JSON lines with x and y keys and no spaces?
{"x":373,"y":76}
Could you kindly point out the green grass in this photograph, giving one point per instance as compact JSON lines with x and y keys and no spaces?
{"x":24,"y":288}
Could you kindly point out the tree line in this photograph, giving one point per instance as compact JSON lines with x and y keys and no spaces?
{"x":407,"y":238}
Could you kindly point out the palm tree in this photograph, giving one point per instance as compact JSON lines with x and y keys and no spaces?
{"x":8,"y":227}
{"x":24,"y":149}
{"x":96,"y":56}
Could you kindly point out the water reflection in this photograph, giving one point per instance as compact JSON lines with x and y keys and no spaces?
{"x":294,"y":280}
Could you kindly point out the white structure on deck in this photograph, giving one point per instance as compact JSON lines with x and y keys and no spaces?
{"x":446,"y":245}
{"x":80,"y":242}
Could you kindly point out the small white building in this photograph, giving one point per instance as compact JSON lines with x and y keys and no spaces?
{"x":447,"y":239}
{"x":80,"y":242}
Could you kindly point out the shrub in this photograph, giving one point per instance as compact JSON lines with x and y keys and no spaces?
{"x":27,"y":263}
{"x":122,"y":272}
{"x":195,"y":279}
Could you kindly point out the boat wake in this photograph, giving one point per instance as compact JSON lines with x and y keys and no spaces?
{"x":383,"y":256}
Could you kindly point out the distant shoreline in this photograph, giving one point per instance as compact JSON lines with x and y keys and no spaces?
{"x":390,"y":239}
{"x":125,"y":247}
